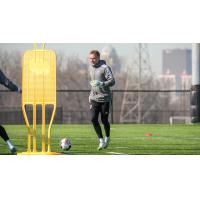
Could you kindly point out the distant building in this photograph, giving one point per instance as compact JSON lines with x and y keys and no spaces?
{"x":111,"y":57}
{"x":167,"y":81}
{"x":179,"y":63}
{"x":186,"y":81}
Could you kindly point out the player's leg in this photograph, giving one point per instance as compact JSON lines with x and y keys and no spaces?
{"x":95,"y":110}
{"x":5,"y":137}
{"x":104,"y":118}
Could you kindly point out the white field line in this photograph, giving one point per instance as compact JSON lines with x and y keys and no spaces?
{"x":122,"y":148}
{"x":116,"y":153}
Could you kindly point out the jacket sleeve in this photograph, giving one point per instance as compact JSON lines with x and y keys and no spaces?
{"x":7,"y":83}
{"x":110,"y":80}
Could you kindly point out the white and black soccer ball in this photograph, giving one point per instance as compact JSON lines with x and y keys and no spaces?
{"x":65,"y":144}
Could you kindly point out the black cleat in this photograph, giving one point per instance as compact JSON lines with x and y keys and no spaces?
{"x":13,"y":150}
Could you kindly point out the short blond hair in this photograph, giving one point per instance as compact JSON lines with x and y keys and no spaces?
{"x":95,"y":52}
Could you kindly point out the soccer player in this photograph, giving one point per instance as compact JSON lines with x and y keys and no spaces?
{"x":11,"y":86}
{"x":100,"y":96}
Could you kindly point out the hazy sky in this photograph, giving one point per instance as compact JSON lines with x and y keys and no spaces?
{"x":123,"y":49}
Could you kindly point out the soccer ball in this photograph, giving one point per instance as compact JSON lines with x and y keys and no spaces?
{"x":65,"y":144}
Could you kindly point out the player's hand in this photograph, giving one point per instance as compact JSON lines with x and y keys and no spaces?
{"x":96,"y":83}
{"x":93,"y":83}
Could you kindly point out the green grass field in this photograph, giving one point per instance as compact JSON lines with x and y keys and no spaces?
{"x":125,"y":139}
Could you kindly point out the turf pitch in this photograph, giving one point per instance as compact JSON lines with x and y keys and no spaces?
{"x":125,"y":139}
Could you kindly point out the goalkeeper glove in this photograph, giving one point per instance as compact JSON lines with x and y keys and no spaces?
{"x":96,"y":83}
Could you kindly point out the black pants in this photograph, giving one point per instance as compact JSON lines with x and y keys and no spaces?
{"x":97,"y":108}
{"x":3,"y":133}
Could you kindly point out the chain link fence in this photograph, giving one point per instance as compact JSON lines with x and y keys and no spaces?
{"x":128,"y":106}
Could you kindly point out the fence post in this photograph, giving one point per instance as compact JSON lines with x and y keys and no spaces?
{"x":112,"y":120}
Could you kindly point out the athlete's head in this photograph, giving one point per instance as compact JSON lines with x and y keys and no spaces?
{"x":94,"y":57}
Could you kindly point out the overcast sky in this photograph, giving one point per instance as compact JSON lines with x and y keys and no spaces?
{"x":125,"y":50}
